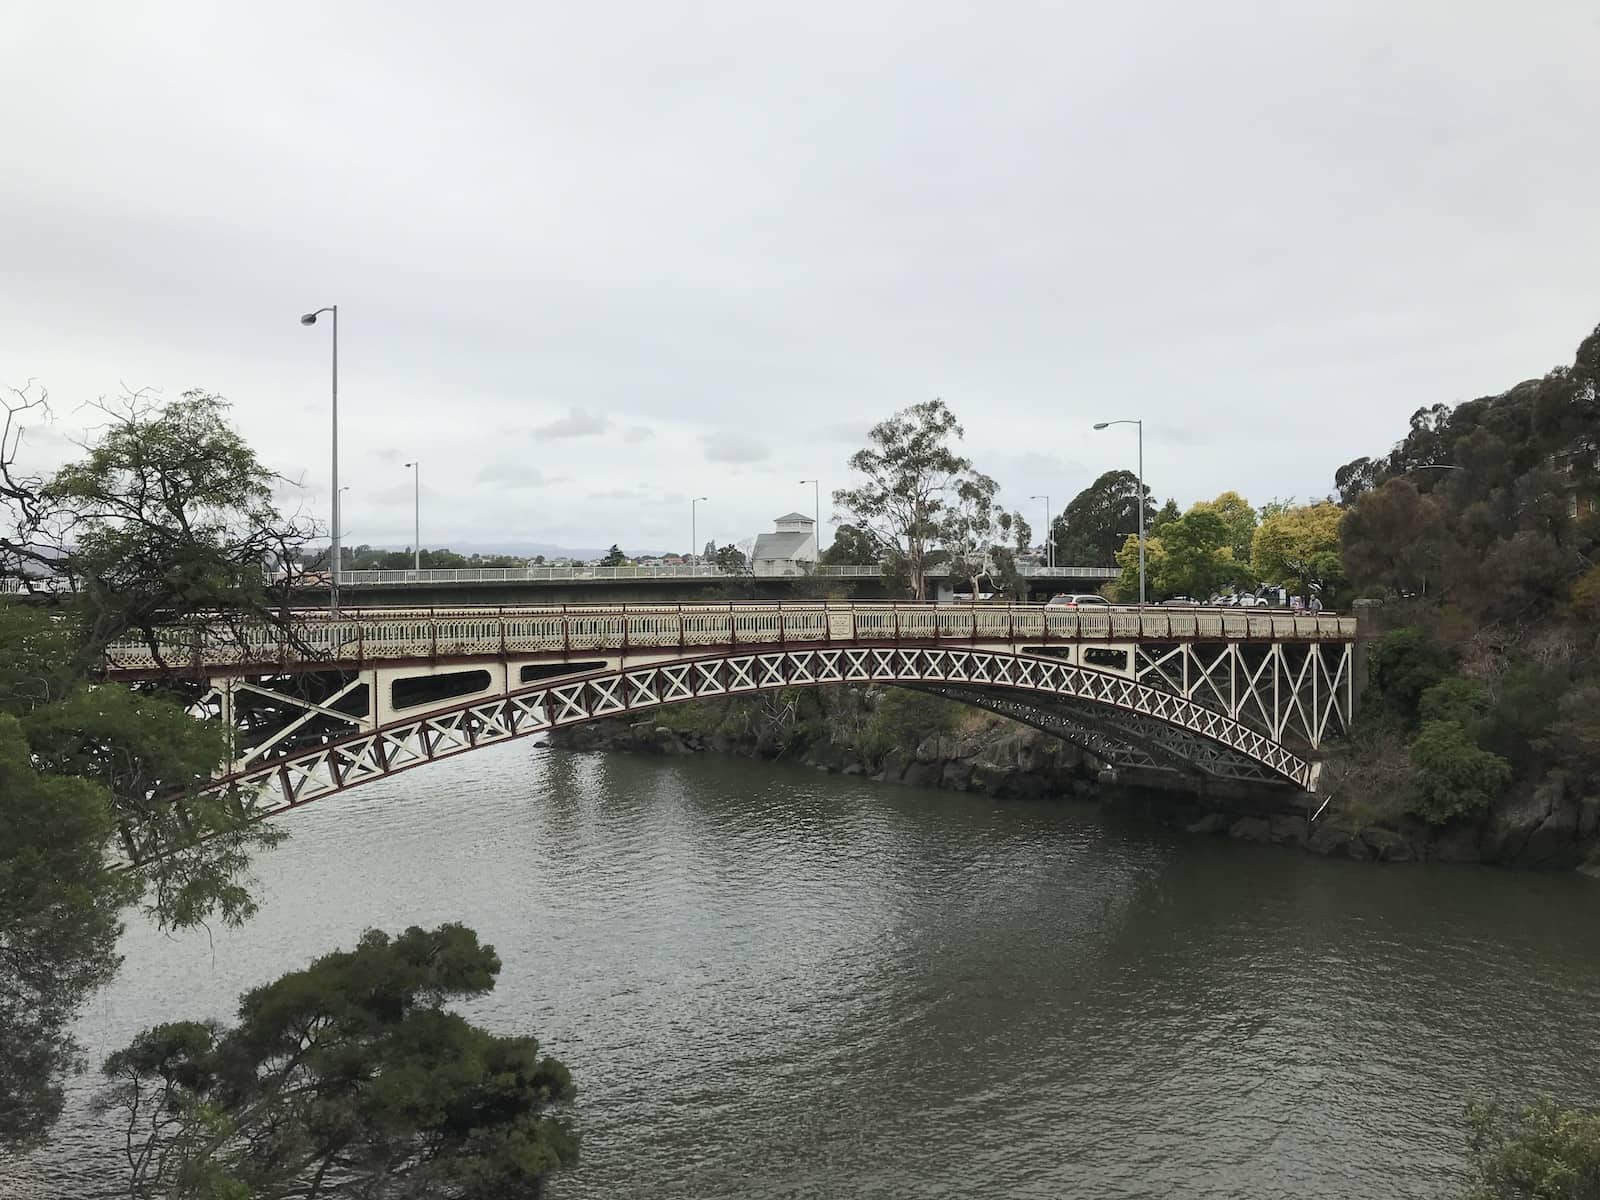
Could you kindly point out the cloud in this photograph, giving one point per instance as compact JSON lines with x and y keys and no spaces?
{"x":577,"y":423}
{"x":621,"y":493}
{"x":726,"y":446}
{"x":387,"y":457}
{"x":517,"y":475}
{"x":638,"y":433}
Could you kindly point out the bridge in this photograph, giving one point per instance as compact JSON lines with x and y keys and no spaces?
{"x":319,"y":705}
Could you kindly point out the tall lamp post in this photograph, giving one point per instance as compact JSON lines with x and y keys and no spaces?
{"x":694,"y":533}
{"x":416,"y":515}
{"x":310,"y":318}
{"x":1049,"y":539}
{"x":816,"y":499}
{"x":1139,"y":499}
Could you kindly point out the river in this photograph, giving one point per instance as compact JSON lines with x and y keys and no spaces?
{"x":770,"y":982}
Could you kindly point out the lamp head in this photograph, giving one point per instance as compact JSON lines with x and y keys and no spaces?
{"x":309,"y":319}
{"x":1103,"y":425}
{"x":699,"y":498}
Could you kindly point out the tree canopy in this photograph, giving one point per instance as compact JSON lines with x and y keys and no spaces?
{"x":167,"y":517}
{"x":1099,"y":519}
{"x":347,"y":1078}
{"x":908,"y":467}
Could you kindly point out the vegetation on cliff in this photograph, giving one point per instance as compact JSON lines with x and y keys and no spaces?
{"x":1478,"y":532}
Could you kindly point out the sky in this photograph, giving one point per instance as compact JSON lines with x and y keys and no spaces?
{"x":592,"y":260}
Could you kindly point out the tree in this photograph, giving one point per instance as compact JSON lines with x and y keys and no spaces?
{"x":1196,"y":557}
{"x":1099,"y":519}
{"x":1299,"y":548}
{"x":1169,"y":513}
{"x":347,"y":1078}
{"x":1543,"y":1153}
{"x":1452,"y":776}
{"x":907,"y":466}
{"x":168,"y":518}
{"x":852,"y":547}
{"x":1391,"y":538}
{"x":731,"y":560}
{"x":978,"y":534}
{"x":1127,"y":584}
{"x":1240,"y":520}
{"x":614,"y":557}
{"x":59,"y":922}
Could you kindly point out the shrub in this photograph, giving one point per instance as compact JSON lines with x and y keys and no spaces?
{"x":1544,"y":1154}
{"x":1406,"y":663}
{"x":1451,"y":775}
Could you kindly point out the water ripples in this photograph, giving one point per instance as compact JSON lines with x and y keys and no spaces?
{"x":771,"y":983}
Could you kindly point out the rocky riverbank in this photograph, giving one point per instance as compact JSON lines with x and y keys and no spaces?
{"x":1556,"y":827}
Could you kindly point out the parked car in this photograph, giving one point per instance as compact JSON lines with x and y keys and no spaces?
{"x":1078,"y":600}
{"x":1181,"y":602}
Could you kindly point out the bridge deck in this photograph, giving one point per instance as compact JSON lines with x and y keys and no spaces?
{"x":375,"y":635}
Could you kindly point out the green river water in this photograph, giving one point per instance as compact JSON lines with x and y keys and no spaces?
{"x":770,"y":982}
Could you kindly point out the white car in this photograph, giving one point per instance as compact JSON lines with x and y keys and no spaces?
{"x":1078,"y":600}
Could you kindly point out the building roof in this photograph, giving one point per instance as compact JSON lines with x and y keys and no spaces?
{"x":794,"y":516}
{"x":779,"y":545}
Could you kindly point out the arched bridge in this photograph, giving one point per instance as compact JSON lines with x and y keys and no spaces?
{"x":324,"y":704}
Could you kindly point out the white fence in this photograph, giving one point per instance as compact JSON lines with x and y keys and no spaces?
{"x":707,"y":571}
{"x":387,"y":634}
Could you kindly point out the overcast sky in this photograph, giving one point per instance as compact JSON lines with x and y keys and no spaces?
{"x":595,"y":258}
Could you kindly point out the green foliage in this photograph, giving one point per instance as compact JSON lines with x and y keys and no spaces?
{"x":1393,"y":539}
{"x":977,"y":533}
{"x":852,"y":547}
{"x":906,"y":470}
{"x":1544,"y":1153}
{"x":1527,"y":700}
{"x":731,"y":560}
{"x":1461,"y":701}
{"x":1585,"y":596}
{"x":347,"y":1078}
{"x":1240,"y":519}
{"x":1197,"y":554}
{"x":902,"y":719}
{"x":59,"y":899}
{"x":1126,"y":585}
{"x":614,"y":557}
{"x":1099,"y":519}
{"x":169,"y":515}
{"x":1451,"y":776}
{"x":1299,"y":548}
{"x":146,"y":750}
{"x":1402,"y":666}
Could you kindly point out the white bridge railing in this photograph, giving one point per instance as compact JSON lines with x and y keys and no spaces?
{"x":387,"y":634}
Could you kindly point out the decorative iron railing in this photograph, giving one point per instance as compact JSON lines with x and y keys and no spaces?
{"x":374,"y":635}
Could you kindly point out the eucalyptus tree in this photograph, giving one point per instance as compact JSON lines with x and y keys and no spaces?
{"x":910,"y":471}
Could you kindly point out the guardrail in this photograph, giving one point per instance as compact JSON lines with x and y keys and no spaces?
{"x":707,"y":571}
{"x":363,"y":637}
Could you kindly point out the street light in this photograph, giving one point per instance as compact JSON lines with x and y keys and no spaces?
{"x":1139,"y":501}
{"x":1049,"y":541}
{"x":310,"y":318}
{"x":416,"y":515}
{"x":694,"y":538}
{"x":816,"y":496}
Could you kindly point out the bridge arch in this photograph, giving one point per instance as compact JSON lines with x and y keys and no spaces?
{"x":1109,"y":715}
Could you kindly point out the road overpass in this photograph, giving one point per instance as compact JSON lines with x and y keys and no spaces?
{"x":587,"y":584}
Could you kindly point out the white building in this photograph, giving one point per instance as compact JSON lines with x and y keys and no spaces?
{"x":792,"y":542}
